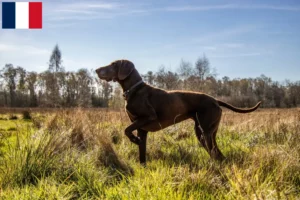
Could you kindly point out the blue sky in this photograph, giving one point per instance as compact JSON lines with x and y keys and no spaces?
{"x":240,"y":38}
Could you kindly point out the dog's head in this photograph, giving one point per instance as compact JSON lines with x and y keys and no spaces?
{"x":117,"y":70}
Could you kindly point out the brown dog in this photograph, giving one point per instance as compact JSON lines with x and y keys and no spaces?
{"x":152,"y":109}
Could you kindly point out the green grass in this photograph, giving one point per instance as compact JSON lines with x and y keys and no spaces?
{"x":85,"y":155}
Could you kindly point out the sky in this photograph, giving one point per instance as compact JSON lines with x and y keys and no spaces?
{"x":241,"y":39}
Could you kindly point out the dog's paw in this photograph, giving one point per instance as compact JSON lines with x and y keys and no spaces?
{"x":135,"y":140}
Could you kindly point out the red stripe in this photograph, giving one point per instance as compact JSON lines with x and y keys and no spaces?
{"x":35,"y":15}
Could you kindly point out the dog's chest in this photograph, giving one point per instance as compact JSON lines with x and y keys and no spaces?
{"x":137,"y":107}
{"x":131,"y":111}
{"x":131,"y":116}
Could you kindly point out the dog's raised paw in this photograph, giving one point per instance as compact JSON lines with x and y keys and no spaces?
{"x":135,"y":140}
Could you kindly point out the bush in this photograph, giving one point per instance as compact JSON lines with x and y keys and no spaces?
{"x":13,"y":117}
{"x":26,"y":115}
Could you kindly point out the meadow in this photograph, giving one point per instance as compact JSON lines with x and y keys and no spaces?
{"x":84,"y":154}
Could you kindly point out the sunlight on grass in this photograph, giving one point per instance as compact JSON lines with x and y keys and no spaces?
{"x":84,"y":154}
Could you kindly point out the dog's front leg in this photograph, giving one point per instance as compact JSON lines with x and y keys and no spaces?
{"x":149,"y":116}
{"x":139,"y":123}
{"x":142,"y":147}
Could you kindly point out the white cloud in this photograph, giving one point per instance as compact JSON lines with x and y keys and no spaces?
{"x":67,"y":11}
{"x":75,"y":64}
{"x":36,"y":58}
{"x":88,"y":11}
{"x":210,"y":48}
{"x":230,"y":7}
{"x":23,"y":49}
{"x":224,"y":46}
{"x":32,"y":50}
{"x":59,"y":25}
{"x":212,"y":37}
{"x":91,"y":10}
{"x":5,"y":48}
{"x":233,"y":45}
{"x":238,"y":55}
{"x":108,"y":6}
{"x":86,"y":8}
{"x":27,"y":56}
{"x":271,"y":7}
{"x":201,"y":8}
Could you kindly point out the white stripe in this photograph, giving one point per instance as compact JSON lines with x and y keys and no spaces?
{"x":22,"y":15}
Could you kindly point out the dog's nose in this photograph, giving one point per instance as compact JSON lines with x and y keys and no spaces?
{"x":101,"y":72}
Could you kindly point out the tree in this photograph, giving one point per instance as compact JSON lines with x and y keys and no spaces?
{"x":117,"y":100}
{"x":55,"y":87}
{"x":22,"y":76}
{"x":50,"y":94}
{"x":185,"y":69}
{"x":293,"y":91}
{"x":225,"y":91}
{"x":55,"y":62}
{"x":52,"y":78}
{"x":31,"y":80}
{"x":21,"y":92}
{"x":167,"y":79}
{"x":202,"y":68}
{"x":71,"y":93}
{"x":278,"y":94}
{"x":106,"y":92}
{"x":3,"y":92}
{"x":149,"y":77}
{"x":10,"y":75}
{"x":84,"y":93}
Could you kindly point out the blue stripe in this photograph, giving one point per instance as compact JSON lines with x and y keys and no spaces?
{"x":8,"y":15}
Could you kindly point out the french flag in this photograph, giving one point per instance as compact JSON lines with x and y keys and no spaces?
{"x":21,"y":15}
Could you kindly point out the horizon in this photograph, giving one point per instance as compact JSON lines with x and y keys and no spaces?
{"x":240,"y":40}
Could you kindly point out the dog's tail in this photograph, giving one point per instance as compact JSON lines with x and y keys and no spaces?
{"x":239,"y":110}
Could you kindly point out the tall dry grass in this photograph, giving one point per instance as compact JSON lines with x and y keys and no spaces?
{"x":84,"y":154}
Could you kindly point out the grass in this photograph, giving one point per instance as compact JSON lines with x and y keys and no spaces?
{"x":83,"y":154}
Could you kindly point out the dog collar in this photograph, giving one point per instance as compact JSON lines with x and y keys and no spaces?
{"x":126,"y":93}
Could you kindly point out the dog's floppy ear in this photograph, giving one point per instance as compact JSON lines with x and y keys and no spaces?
{"x":125,"y":69}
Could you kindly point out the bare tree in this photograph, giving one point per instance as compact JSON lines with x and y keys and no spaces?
{"x":31,"y":80}
{"x":167,"y":79}
{"x":84,"y":87}
{"x":202,"y":68}
{"x":185,"y":69}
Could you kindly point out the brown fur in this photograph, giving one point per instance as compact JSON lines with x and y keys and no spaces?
{"x":152,"y":109}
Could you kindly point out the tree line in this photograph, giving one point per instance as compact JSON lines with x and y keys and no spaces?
{"x":56,"y":87}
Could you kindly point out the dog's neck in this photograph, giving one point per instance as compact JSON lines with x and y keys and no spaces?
{"x":130,"y":81}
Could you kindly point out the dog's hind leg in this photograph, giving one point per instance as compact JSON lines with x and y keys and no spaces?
{"x":199,"y":132}
{"x":215,"y":152}
{"x":206,"y":127}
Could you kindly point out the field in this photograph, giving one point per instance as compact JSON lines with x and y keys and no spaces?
{"x":83,"y":154}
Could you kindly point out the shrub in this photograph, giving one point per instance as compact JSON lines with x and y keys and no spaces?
{"x":26,"y":115}
{"x":13,"y":117}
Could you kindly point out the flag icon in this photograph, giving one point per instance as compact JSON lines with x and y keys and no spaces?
{"x":21,"y":15}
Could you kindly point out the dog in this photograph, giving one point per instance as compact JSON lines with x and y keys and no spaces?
{"x":152,"y":109}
